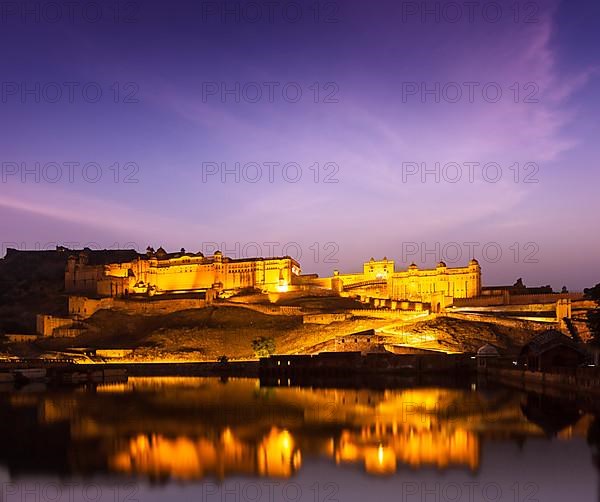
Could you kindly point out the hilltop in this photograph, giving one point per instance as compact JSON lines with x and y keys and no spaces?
{"x":30,"y":282}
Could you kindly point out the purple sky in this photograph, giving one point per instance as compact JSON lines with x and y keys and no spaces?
{"x":373,"y":62}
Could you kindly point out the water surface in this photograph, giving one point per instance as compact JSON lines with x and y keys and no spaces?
{"x":236,"y":440}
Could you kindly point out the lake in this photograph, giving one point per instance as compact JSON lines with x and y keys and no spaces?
{"x":235,"y":440}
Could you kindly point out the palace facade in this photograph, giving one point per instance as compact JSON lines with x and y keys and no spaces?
{"x":423,"y":285}
{"x":124,"y":272}
{"x":414,"y":284}
{"x":161,"y":272}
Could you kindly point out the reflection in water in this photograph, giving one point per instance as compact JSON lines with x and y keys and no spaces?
{"x":552,"y":415}
{"x":188,"y":458}
{"x":192,"y":428}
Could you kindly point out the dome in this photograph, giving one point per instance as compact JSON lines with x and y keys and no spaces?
{"x":473,"y":262}
{"x":441,"y":264}
{"x":488,"y":350}
{"x":413,"y":266}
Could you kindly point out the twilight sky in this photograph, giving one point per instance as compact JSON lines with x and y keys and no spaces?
{"x":160,"y":100}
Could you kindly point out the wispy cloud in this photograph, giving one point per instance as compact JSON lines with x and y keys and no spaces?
{"x":99,"y":213}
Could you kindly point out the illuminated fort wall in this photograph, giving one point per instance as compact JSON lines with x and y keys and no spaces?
{"x":378,"y":269}
{"x":372,"y":270}
{"x":414,"y":284}
{"x":179,"y":273}
{"x":424,"y":285}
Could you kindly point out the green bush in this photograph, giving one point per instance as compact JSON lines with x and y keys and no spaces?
{"x":263,"y":346}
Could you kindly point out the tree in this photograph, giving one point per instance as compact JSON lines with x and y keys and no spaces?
{"x":593,"y":316}
{"x":263,"y":346}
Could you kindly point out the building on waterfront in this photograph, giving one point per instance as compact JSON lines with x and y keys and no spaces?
{"x":161,"y":272}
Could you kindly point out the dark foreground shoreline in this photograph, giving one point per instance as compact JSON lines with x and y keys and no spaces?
{"x":248,"y":369}
{"x":351,"y":369}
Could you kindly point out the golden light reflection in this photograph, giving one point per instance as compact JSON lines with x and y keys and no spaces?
{"x":158,"y":456}
{"x":277,"y":454}
{"x":185,"y":458}
{"x":112,"y":387}
{"x":190,"y":428}
{"x":380,"y":460}
{"x":417,"y":448}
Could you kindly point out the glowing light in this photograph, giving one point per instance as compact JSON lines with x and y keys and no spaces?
{"x":227,"y":436}
{"x":278,"y":455}
{"x":285,"y":442}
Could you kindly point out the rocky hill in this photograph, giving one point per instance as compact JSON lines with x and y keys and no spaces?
{"x":206,"y":334}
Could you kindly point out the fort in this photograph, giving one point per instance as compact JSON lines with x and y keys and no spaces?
{"x":437,"y":287}
{"x":161,"y":272}
{"x":212,"y":305}
{"x":124,"y":273}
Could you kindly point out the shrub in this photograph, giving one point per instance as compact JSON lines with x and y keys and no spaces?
{"x":263,"y":346}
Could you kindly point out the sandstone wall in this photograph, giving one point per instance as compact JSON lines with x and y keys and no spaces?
{"x":324,"y":318}
{"x":47,"y":324}
{"x":504,"y":321}
{"x":388,"y":314}
{"x":83,"y":307}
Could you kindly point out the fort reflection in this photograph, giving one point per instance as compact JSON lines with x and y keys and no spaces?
{"x":192,"y":428}
{"x":273,"y":455}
